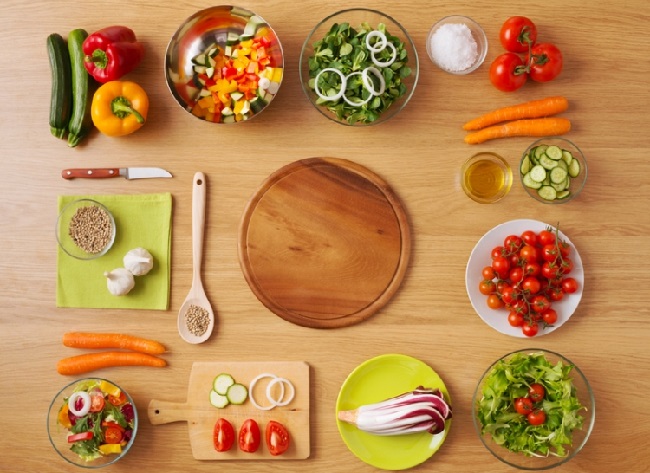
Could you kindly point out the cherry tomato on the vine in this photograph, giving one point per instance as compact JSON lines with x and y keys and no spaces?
{"x":517,"y":33}
{"x":555,"y":294}
{"x":508,"y":295}
{"x":494,"y":302}
{"x":529,"y":237}
{"x":498,"y":251}
{"x":564,"y":247}
{"x":566,"y":265}
{"x":532,"y":269}
{"x":516,"y":275}
{"x":515,"y":319}
{"x":528,"y":253}
{"x":512,"y":243}
{"x":488,"y":273}
{"x":531,"y":284}
{"x":545,"y":62}
{"x":551,"y":271}
{"x":520,"y":306}
{"x":546,"y":237}
{"x":540,"y":303}
{"x":569,"y":285}
{"x":508,"y":72}
{"x":530,"y":329}
{"x":549,"y":316}
{"x":550,"y":252}
{"x":501,"y":266}
{"x":487,"y":287}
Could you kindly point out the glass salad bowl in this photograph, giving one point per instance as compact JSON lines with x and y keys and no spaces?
{"x":85,"y":229}
{"x":224,"y":64}
{"x":561,"y":418}
{"x":100,"y":428}
{"x":359,"y":67}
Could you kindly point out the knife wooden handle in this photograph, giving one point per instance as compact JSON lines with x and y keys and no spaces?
{"x":91,"y":173}
{"x":165,"y":412}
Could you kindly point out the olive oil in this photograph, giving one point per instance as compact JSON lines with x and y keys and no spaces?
{"x":486,"y":177}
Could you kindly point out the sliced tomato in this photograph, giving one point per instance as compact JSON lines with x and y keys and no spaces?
{"x":113,"y":435}
{"x":96,"y":401}
{"x":80,"y":437}
{"x":277,"y":438}
{"x":249,"y":436}
{"x":223,"y":435}
{"x":117,"y":400}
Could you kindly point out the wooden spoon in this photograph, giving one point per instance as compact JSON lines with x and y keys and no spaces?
{"x":196,"y":301}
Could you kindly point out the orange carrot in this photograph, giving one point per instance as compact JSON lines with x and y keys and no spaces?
{"x":112,"y":340}
{"x":533,"y":127}
{"x":94,"y":361}
{"x":533,"y":109}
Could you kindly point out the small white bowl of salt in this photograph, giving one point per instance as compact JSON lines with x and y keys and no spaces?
{"x":457,"y":44}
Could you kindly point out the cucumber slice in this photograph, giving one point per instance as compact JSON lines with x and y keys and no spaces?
{"x":539,"y":151}
{"x":547,"y":193}
{"x":554,"y":152}
{"x":222,"y":383}
{"x":528,"y":182}
{"x":237,"y":394}
{"x":547,"y":162}
{"x":525,"y":165}
{"x":574,"y":168}
{"x":537,"y":173}
{"x":218,"y":400}
{"x":567,"y":157}
{"x":560,"y":186}
{"x":562,"y":194}
{"x":558,"y":175}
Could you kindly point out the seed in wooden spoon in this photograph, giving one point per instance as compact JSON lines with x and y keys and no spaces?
{"x":197,"y":320}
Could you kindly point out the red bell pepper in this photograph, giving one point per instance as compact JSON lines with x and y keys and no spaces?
{"x":111,"y":53}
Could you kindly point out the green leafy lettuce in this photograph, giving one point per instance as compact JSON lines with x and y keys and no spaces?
{"x":510,"y":379}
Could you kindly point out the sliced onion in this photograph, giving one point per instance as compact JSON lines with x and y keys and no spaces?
{"x":368,"y":82}
{"x":379,"y":45}
{"x":340,"y":92}
{"x":252,"y":385}
{"x":386,"y":63}
{"x":360,"y":103}
{"x":85,"y":407}
{"x":281,"y":401}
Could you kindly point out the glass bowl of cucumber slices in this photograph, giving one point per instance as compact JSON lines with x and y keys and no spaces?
{"x":553,"y":170}
{"x":224,"y":64}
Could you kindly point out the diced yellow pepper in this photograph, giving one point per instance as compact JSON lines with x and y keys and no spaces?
{"x":110,"y":448}
{"x":198,"y":111}
{"x":109,"y":388}
{"x":224,"y":97}
{"x":206,"y":102}
{"x":246,"y":44}
{"x":277,"y":74}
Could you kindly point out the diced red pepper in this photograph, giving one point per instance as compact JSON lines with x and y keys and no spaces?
{"x":80,"y":437}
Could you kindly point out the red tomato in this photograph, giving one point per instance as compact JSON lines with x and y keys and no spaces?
{"x":508,"y":72}
{"x":555,"y":294}
{"x":532,"y":269}
{"x":551,"y":271}
{"x":277,"y":438}
{"x":501,"y":266}
{"x":512,"y":243}
{"x":546,"y":237}
{"x":530,"y":329}
{"x":508,"y":295}
{"x":515,"y":319}
{"x":514,"y":259}
{"x":117,"y":400}
{"x":113,"y":435}
{"x":223,"y":435}
{"x":487,"y":287}
{"x":537,"y":417}
{"x":494,"y":302}
{"x":524,"y":405}
{"x":531,"y":284}
{"x":249,"y":436}
{"x":488,"y":273}
{"x":517,"y":33}
{"x":566,"y":265}
{"x":550,"y":252}
{"x":498,"y":251}
{"x":520,"y":306}
{"x":516,"y":275}
{"x":569,"y":285}
{"x":549,"y":316}
{"x":545,"y":62}
{"x":528,"y":253}
{"x":97,"y":402}
{"x":540,"y":303}
{"x":536,"y":392}
{"x":529,"y":237}
{"x":564,"y":247}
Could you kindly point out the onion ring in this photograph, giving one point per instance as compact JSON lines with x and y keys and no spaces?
{"x":380,"y":45}
{"x":340,"y":92}
{"x":85,"y":406}
{"x":250,"y":391}
{"x":368,"y":83}
{"x":386,"y":63}
{"x":281,"y":402}
{"x":360,"y":103}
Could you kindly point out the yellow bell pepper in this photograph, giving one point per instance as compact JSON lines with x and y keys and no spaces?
{"x":110,"y":448}
{"x":119,"y":108}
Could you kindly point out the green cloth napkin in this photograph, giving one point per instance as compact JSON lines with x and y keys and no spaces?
{"x":142,"y":220}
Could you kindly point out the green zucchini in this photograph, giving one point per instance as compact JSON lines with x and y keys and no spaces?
{"x":80,"y":121}
{"x":61,"y":96}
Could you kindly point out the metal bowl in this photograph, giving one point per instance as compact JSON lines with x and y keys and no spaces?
{"x":224,"y":64}
{"x":362,"y":100}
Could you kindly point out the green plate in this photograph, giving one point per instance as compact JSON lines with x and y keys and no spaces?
{"x":376,"y":380}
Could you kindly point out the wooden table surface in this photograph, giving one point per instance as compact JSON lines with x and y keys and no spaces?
{"x":419,"y":152}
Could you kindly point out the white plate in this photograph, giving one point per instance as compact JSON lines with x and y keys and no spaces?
{"x":480,"y":257}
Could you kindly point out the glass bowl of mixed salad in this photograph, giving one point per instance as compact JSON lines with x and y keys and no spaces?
{"x":359,"y":67}
{"x":224,"y":64}
{"x":534,"y":409}
{"x":92,"y":422}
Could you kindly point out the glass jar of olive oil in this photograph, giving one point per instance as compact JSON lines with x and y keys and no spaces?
{"x":486,"y":177}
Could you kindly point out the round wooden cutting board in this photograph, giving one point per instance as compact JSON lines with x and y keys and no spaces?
{"x":324,"y":243}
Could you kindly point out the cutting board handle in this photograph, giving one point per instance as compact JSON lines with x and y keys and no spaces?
{"x":164,"y":412}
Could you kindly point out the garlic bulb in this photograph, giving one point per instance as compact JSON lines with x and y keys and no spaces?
{"x":119,"y":281}
{"x":139,"y":261}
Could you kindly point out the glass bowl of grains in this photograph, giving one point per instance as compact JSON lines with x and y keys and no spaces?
{"x":457,"y":44}
{"x":85,"y":229}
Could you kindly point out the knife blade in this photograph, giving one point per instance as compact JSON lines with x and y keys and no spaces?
{"x":128,"y":173}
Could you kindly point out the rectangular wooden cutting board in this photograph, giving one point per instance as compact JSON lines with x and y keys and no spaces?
{"x":201,"y":416}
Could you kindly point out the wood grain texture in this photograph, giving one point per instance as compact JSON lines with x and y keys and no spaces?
{"x":324,"y":243}
{"x":606,"y":79}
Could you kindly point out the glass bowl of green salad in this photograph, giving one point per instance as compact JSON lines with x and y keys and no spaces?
{"x":533,"y":409}
{"x":92,"y":422}
{"x":359,"y":67}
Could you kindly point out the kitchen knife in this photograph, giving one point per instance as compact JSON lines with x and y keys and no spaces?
{"x":128,"y":173}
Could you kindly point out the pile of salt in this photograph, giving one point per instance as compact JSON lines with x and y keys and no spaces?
{"x":453,"y":48}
